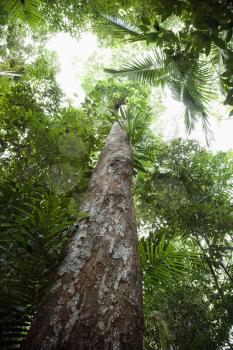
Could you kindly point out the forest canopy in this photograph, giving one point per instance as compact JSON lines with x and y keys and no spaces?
{"x":49,"y":148}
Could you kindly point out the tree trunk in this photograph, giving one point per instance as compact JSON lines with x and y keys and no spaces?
{"x":95,"y":302}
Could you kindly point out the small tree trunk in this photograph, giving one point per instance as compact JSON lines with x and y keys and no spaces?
{"x":95,"y":302}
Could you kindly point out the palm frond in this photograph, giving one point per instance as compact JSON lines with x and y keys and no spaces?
{"x":27,"y":11}
{"x":121,"y":29}
{"x":31,"y":242}
{"x":195,"y":87}
{"x":189,"y":120}
{"x":137,"y":127}
{"x":167,"y":259}
{"x":154,"y":69}
{"x":216,"y":57}
{"x":191,"y":82}
{"x":134,"y":123}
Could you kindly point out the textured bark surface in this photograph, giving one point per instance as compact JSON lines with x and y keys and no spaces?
{"x":95,"y":302}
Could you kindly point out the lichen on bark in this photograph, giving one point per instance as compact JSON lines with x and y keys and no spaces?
{"x":95,"y":301}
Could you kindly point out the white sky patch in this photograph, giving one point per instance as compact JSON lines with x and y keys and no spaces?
{"x":73,"y":54}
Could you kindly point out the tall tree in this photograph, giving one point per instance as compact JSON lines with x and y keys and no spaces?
{"x":95,"y":301}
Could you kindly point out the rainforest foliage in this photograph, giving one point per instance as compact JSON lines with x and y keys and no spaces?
{"x":182,"y":192}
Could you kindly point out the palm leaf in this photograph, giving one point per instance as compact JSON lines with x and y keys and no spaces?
{"x":137,"y":128}
{"x":31,"y":244}
{"x":134,"y":123}
{"x":216,"y":58}
{"x":190,"y":82}
{"x":24,"y":11}
{"x":154,"y":69}
{"x":121,"y":29}
{"x":166,"y":259}
{"x":194,"y":86}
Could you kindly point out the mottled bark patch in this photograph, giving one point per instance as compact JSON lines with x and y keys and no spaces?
{"x":96,"y":299}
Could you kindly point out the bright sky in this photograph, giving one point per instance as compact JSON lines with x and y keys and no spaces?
{"x":72,"y":55}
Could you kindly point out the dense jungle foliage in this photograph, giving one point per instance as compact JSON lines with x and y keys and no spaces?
{"x":49,"y":148}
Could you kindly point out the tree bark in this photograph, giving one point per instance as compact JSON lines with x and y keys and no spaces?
{"x":95,"y":302}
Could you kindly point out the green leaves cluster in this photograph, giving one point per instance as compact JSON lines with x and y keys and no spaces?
{"x":23,"y":11}
{"x":164,"y":260}
{"x":188,"y":193}
{"x":45,"y":167}
{"x":49,"y":148}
